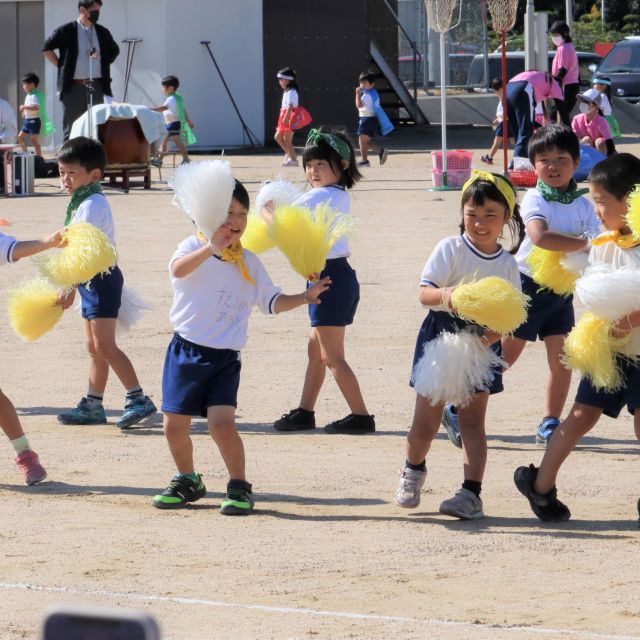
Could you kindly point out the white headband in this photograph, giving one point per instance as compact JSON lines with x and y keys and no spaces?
{"x":282,"y":76}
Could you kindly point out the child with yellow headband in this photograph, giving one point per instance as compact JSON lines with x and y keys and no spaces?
{"x":488,"y":205}
{"x":610,"y":184}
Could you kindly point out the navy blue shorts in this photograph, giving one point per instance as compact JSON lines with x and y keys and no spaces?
{"x":173,"y":128}
{"x":32,"y":126}
{"x":611,"y":402}
{"x":101,"y":296}
{"x":196,"y":378}
{"x":500,"y":128}
{"x":436,"y":323}
{"x":340,"y":300}
{"x":549,"y":314}
{"x":368,"y":126}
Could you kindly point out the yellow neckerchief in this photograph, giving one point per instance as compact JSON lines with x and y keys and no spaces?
{"x":502,"y":184}
{"x":622,"y":240}
{"x":234,"y":254}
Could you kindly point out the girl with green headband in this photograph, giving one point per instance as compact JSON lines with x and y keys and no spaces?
{"x":329,"y":163}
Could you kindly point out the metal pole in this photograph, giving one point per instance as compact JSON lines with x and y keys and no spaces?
{"x":505,"y":115}
{"x":569,"y":13}
{"x":485,"y":45}
{"x":443,"y":109}
{"x":131,"y":50}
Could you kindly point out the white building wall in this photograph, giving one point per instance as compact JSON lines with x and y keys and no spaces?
{"x":171,"y":32}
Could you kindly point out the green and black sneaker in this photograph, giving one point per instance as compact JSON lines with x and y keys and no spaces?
{"x":181,"y":491}
{"x":239,"y":499}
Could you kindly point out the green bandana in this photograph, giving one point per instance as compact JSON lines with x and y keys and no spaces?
{"x":336,"y":143}
{"x":551,"y":194}
{"x":185,"y":130}
{"x":78,"y":197}
{"x":47,"y":127}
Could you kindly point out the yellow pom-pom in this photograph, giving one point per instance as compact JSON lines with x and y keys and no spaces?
{"x":591,"y":349}
{"x":548,"y":272}
{"x":256,"y":236}
{"x":491,"y":302}
{"x":306,"y":237}
{"x":633,"y":212}
{"x":88,"y":252}
{"x":33,"y":310}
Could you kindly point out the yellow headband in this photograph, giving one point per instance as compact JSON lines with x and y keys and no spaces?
{"x":501,"y":184}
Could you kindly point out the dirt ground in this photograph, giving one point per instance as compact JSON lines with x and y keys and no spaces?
{"x":327,"y":553}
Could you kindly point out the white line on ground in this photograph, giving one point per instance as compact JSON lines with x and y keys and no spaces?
{"x":19,"y":586}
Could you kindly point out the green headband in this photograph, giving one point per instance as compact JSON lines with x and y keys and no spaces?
{"x":335,"y":142}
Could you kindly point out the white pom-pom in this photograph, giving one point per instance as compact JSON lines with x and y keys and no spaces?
{"x":280,"y":191}
{"x":609,"y":293}
{"x":131,"y":308}
{"x":576,"y":261}
{"x":203,"y":191}
{"x":454,"y":366}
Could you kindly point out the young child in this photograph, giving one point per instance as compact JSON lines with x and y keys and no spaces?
{"x":498,"y":141}
{"x":488,"y":204}
{"x":284,"y":130}
{"x":32,"y":110}
{"x":367,"y":100}
{"x":330,"y":167}
{"x":590,"y":125}
{"x":81,"y":162}
{"x":12,"y":250}
{"x":610,"y":182}
{"x":558,"y":218}
{"x":602,"y":84}
{"x":177,"y":121}
{"x":215,"y":284}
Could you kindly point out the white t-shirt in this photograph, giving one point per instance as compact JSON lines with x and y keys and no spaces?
{"x":499,"y":111}
{"x":575,"y":219}
{"x":455,"y":260}
{"x":212,"y":305}
{"x":171,"y":113}
{"x":96,"y":211}
{"x":338,"y":199}
{"x":31,"y":106}
{"x":605,"y":105}
{"x":290,"y":99}
{"x":369,"y":108}
{"x":7,"y":245}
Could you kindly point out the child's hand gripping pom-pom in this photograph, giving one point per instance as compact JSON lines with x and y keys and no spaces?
{"x":257,"y":236}
{"x":87,"y":252}
{"x":203,"y":191}
{"x":548,"y":272}
{"x":306,"y":237}
{"x":454,"y":367}
{"x":279,"y":193}
{"x":493,"y":303}
{"x":33,"y":309}
{"x":633,"y":212}
{"x":609,"y":293}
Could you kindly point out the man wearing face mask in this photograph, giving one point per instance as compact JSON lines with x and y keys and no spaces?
{"x":85,"y":49}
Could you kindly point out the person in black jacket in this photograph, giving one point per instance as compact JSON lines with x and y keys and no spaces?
{"x":85,"y":48}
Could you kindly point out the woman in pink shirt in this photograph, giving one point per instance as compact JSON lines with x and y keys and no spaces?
{"x":590,"y":126}
{"x":565,"y":68}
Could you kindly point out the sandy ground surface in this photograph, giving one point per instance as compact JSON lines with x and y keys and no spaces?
{"x":327,"y":554}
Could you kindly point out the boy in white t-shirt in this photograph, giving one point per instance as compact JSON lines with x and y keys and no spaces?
{"x":215,"y":285}
{"x":497,"y":124}
{"x":32,"y":124}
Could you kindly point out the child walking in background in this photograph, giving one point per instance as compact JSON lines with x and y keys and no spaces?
{"x":610,"y":183}
{"x":557,"y":218}
{"x":35,"y":122}
{"x":215,"y":284}
{"x":81,"y":162}
{"x":602,"y":84}
{"x":498,"y":141}
{"x":284,"y":130}
{"x":12,"y":250}
{"x":590,"y":125}
{"x":367,"y":100}
{"x":488,"y":204}
{"x":330,"y":167}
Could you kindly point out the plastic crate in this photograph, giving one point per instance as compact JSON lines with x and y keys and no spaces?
{"x":523,"y":178}
{"x":455,"y":177}
{"x":457,"y":160}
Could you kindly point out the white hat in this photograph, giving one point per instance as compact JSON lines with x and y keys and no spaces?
{"x":591,"y":96}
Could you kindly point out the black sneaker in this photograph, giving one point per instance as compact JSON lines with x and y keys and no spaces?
{"x":180,"y":492}
{"x":383,"y":156}
{"x":546,"y":506}
{"x":239,"y":499}
{"x":353,"y":424}
{"x":296,"y":420}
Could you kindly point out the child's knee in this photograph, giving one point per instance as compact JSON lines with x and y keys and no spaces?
{"x":223,"y":430}
{"x":105,"y":348}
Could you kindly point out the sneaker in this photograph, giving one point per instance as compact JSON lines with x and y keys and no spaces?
{"x":353,"y":424}
{"x":545,"y":430}
{"x":546,"y":506}
{"x":364,"y":163}
{"x":465,"y":505}
{"x":296,"y":420}
{"x":30,"y":467}
{"x":238,"y":501}
{"x":186,"y":161}
{"x":83,"y":414}
{"x":449,"y":421}
{"x":487,"y":159}
{"x":156,"y":162}
{"x":383,"y":156}
{"x":411,"y":483}
{"x":180,"y":492}
{"x":134,"y":411}
{"x":291,"y":163}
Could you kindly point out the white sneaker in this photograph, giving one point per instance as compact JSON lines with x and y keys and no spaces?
{"x":465,"y":505}
{"x":291,"y":163}
{"x":411,"y":482}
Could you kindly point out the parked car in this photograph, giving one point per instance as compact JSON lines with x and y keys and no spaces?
{"x":515,"y":65}
{"x":622,"y":66}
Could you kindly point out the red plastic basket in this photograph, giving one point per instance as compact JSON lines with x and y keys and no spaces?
{"x":523,"y":178}
{"x":455,"y":178}
{"x":457,"y":160}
